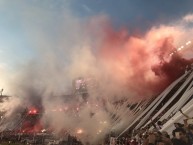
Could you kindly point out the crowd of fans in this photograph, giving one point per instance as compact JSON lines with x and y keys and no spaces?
{"x":181,"y":135}
{"x":152,"y":134}
{"x":37,"y":139}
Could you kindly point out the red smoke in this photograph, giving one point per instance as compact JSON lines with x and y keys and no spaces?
{"x":31,"y":126}
{"x":142,"y":64}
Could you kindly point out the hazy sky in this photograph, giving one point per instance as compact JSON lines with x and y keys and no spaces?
{"x":134,"y":12}
{"x":20,"y":15}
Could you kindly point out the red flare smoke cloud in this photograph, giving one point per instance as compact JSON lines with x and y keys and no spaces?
{"x":142,"y":64}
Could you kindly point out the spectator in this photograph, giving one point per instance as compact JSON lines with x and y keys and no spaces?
{"x":165,"y":134}
{"x":134,"y":142}
{"x":190,"y":133}
{"x":157,"y":138}
{"x":178,"y":125}
{"x":159,"y":125}
{"x":180,"y":137}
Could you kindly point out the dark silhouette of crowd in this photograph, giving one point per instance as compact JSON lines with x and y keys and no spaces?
{"x":182,"y":134}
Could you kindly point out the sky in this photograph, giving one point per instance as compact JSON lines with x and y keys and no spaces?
{"x":136,"y":15}
{"x":122,"y":13}
{"x":142,"y":14}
